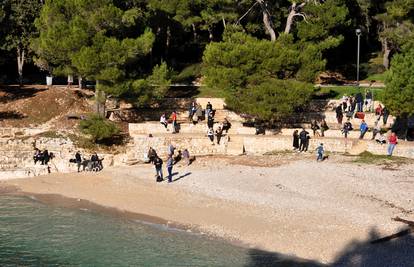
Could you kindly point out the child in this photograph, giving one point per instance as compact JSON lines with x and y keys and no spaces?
{"x":320,"y":152}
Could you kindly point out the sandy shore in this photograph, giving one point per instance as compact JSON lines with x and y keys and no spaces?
{"x":285,"y":203}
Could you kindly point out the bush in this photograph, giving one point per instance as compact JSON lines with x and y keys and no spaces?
{"x":98,"y":128}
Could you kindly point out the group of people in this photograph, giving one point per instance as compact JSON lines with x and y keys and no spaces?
{"x":42,"y":156}
{"x":301,"y":140}
{"x":171,"y":160}
{"x":92,"y":164}
{"x":316,"y":127}
{"x":172,"y":119}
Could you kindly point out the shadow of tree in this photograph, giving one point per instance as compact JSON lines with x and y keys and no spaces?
{"x":398,"y":252}
{"x":265,"y":259}
{"x":11,"y":93}
{"x":9,"y":115}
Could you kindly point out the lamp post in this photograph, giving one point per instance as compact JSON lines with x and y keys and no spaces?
{"x":358,"y":33}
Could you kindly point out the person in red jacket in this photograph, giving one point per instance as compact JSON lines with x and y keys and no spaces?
{"x":174,"y":121}
{"x":392,"y":142}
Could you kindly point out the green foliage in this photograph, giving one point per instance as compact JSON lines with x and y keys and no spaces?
{"x":273,"y":99}
{"x":98,"y":128}
{"x":85,"y":37}
{"x":399,"y":92}
{"x":256,"y":74}
{"x":188,"y":74}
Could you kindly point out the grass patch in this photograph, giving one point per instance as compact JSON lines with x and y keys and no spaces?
{"x":369,"y":158}
{"x":378,"y":77}
{"x":51,"y":134}
{"x":278,"y":152}
{"x":336,"y":92}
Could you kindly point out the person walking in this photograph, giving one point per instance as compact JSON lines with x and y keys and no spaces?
{"x":210,"y":121}
{"x":209,"y":108}
{"x":303,"y":138}
{"x":296,"y":140}
{"x":170,"y":164}
{"x":324,"y":127}
{"x":320,"y":151}
{"x":392,"y":142}
{"x":363,"y":128}
{"x":158,"y":169}
{"x":347,"y":128}
{"x":315,"y":128}
{"x":210,"y":135}
{"x":219,"y":134}
{"x":339,"y":114}
{"x":78,"y":160}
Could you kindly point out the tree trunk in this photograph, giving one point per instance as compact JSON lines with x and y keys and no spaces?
{"x":387,"y":52}
{"x":267,"y":20}
{"x":290,"y":17}
{"x":194,"y":32}
{"x":100,"y":101}
{"x":210,"y":34}
{"x":294,"y":11}
{"x":80,"y":82}
{"x":20,"y":64}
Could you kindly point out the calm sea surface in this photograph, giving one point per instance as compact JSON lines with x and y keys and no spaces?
{"x":34,"y":234}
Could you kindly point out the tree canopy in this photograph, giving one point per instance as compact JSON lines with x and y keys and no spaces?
{"x":134,"y":49}
{"x":399,"y":93}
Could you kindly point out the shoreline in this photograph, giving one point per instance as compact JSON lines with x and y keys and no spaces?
{"x":61,"y":201}
{"x":223,"y":202}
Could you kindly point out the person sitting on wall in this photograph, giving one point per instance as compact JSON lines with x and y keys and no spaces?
{"x":45,"y":157}
{"x":37,"y":156}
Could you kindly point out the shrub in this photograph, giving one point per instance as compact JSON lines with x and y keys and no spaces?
{"x":98,"y":128}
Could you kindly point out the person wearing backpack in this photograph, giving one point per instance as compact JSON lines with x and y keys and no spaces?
{"x":158,"y":169}
{"x":363,"y":128}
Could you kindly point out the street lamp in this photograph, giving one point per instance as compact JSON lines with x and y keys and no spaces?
{"x":358,"y":33}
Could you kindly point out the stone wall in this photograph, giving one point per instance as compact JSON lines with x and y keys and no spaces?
{"x":16,"y":156}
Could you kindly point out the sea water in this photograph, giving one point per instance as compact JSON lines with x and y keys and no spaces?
{"x":35,"y":234}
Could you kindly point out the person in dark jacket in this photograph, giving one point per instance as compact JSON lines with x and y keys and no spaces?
{"x":226,"y":125}
{"x":303,"y":137}
{"x":324,"y":127}
{"x":152,"y":154}
{"x":170,"y":164}
{"x":385,"y":114}
{"x":45,"y":157}
{"x":296,"y":140}
{"x":339,"y":114}
{"x":219,"y":134}
{"x":78,"y":160}
{"x":359,"y":99}
{"x":347,"y":128}
{"x":158,"y":169}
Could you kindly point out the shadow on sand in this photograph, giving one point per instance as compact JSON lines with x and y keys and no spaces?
{"x":397,"y":252}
